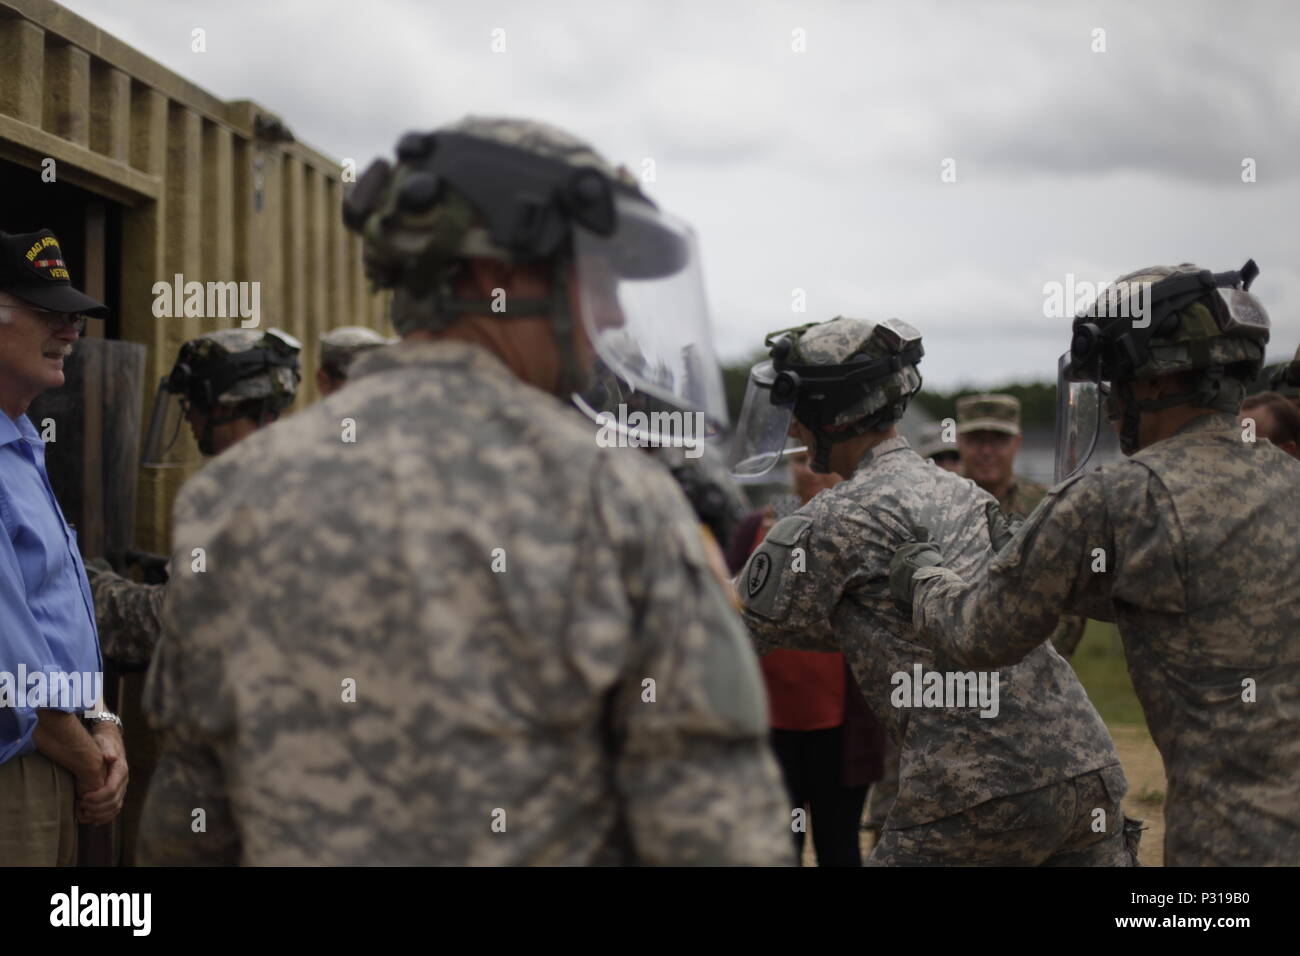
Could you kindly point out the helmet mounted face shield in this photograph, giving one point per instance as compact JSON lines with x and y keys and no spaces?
{"x":197,"y":380}
{"x":1112,"y":341}
{"x":781,"y":392}
{"x":631,"y":272}
{"x":641,"y":298}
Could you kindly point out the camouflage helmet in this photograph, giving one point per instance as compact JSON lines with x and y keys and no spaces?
{"x":507,"y":189}
{"x":844,"y":341}
{"x":1289,"y":377}
{"x":232,"y":366}
{"x":339,"y":347}
{"x":1166,"y":320}
{"x":841,"y":378}
{"x":1197,"y":321}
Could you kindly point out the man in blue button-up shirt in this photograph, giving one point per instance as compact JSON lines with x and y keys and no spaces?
{"x":53,"y":770}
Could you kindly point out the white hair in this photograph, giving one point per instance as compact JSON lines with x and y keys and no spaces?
{"x":7,"y":300}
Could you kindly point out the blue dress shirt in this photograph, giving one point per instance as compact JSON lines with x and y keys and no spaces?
{"x":47,"y":616}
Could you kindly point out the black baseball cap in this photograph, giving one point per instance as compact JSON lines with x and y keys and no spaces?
{"x":32,"y":269}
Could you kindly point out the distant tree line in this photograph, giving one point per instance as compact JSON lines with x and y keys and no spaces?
{"x":1037,"y":402}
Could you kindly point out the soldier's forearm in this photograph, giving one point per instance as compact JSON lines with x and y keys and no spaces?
{"x":977,"y":626}
{"x":767,"y":639}
{"x":61,"y":737}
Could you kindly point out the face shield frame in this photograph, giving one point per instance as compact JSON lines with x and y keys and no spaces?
{"x":763,"y":428}
{"x":640,"y":294}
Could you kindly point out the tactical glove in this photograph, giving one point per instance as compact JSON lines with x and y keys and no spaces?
{"x":908,"y":559}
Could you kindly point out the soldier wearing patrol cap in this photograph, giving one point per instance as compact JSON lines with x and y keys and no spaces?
{"x":484,"y":638}
{"x":1188,"y":545}
{"x":943,"y":453}
{"x":969,"y":777}
{"x":338,"y":349}
{"x":988,"y":439}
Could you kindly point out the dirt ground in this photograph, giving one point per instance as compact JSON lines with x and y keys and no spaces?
{"x":1145,"y":800}
{"x":1146,"y":788}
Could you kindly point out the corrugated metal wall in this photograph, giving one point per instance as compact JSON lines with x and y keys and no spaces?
{"x":208,"y":190}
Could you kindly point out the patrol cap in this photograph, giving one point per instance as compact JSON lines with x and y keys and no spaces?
{"x":988,"y":413}
{"x":932,"y":444}
{"x":338,"y":347}
{"x":32,"y":269}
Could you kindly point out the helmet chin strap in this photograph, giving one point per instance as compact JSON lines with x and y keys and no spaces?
{"x":573,"y":379}
{"x":1209,"y":393}
{"x":823,"y":440}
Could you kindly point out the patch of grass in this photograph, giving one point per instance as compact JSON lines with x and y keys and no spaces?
{"x":1155,"y":798}
{"x":1099,"y":662}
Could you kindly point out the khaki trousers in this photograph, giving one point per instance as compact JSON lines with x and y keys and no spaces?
{"x":37,"y":820}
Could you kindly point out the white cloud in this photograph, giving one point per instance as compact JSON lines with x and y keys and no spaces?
{"x":820,"y":170}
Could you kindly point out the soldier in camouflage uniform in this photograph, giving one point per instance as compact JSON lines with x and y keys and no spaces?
{"x":338,"y":349}
{"x":1189,"y":545}
{"x":255,"y":377}
{"x":933,"y":448}
{"x":989,"y":438}
{"x":988,"y":433}
{"x":470,"y":635}
{"x":1036,"y":781}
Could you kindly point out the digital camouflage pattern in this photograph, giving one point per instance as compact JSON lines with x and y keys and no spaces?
{"x":339,"y":347}
{"x":1046,"y":731}
{"x":279,"y":384}
{"x":1021,"y":498}
{"x":1051,"y":826}
{"x":837,"y":340}
{"x":1202,"y":576}
{"x":513,"y":698}
{"x":1196,"y":341}
{"x":128,"y":615}
{"x":428,"y":246}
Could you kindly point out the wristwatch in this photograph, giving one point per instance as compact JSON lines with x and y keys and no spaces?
{"x":103,"y":716}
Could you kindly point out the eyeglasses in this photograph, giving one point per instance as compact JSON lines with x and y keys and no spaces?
{"x":56,"y":321}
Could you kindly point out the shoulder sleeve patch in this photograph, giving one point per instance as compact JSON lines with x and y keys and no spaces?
{"x":763,"y":582}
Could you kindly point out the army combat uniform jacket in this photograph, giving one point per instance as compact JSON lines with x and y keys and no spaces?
{"x":128,"y":615}
{"x":1022,"y":497}
{"x":819,"y":581}
{"x":1190,"y":547}
{"x":469,"y":635}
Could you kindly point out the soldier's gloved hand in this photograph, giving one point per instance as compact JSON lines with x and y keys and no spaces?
{"x":908,"y":559}
{"x":1000,"y":530}
{"x":96,"y":565}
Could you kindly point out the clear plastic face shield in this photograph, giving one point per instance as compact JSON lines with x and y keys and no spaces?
{"x":1080,"y":411}
{"x":1085,"y":402}
{"x":762,"y":432}
{"x":641,"y":295}
{"x":169,"y":409}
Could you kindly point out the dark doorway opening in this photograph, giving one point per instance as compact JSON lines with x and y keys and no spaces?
{"x":89,"y":228}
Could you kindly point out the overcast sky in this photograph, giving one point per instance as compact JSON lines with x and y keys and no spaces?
{"x":821,"y":169}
